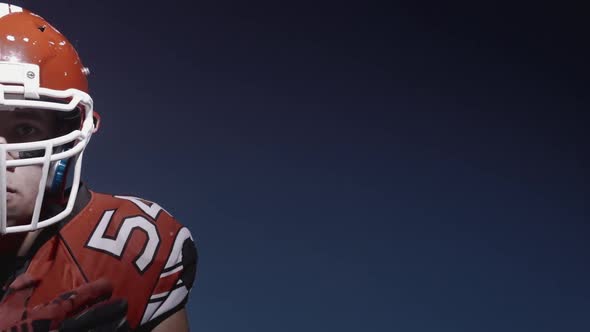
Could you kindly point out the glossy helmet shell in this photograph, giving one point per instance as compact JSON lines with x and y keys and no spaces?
{"x":28,"y":38}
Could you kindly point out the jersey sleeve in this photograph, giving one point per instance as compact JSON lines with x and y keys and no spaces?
{"x":175,"y":281}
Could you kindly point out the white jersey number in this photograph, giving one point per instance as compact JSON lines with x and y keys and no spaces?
{"x":115,"y":246}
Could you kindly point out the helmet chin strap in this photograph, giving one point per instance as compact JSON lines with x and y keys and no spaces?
{"x":27,"y":243}
{"x":57,"y":178}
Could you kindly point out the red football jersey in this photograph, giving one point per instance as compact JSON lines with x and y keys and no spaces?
{"x":148,"y":256}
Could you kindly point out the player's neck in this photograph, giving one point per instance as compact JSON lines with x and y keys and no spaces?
{"x":11,"y":243}
{"x":17,"y":244}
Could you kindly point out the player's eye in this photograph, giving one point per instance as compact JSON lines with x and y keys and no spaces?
{"x":25,"y":130}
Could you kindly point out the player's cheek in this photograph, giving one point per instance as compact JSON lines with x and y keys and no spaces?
{"x":31,"y":176}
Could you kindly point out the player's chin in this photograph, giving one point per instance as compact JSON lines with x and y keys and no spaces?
{"x":17,"y":221}
{"x":16,"y":214}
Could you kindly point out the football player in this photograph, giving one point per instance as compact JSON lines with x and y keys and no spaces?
{"x":52,"y":226}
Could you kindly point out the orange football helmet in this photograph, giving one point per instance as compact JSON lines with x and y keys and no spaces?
{"x":41,"y":70}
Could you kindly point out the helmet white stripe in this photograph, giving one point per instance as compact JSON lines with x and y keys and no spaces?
{"x":6,"y":9}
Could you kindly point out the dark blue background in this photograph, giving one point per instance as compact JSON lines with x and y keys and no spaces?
{"x":353,"y":166}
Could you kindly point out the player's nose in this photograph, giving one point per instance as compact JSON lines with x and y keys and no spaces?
{"x":9,"y":156}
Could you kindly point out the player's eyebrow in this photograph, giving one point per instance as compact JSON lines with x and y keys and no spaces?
{"x":29,"y":114}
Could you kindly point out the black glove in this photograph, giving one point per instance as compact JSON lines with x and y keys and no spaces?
{"x":103,"y":317}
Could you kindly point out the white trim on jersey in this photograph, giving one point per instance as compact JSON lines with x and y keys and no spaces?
{"x":176,"y":253}
{"x":160,"y":295}
{"x":176,"y":269}
{"x":166,"y":301}
{"x":169,"y":300}
{"x":149,"y":311}
{"x":174,"y":298}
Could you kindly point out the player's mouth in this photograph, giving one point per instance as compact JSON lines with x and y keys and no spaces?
{"x":11,"y":194}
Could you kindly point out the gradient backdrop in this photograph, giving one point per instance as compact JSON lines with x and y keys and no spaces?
{"x":353,"y":166}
